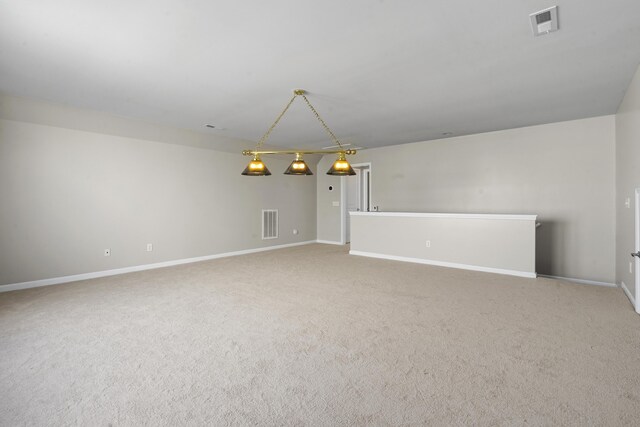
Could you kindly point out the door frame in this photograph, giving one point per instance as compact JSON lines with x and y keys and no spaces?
{"x":636,"y":267}
{"x":343,"y":200}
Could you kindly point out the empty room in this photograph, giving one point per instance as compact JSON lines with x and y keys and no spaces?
{"x":319,"y":213}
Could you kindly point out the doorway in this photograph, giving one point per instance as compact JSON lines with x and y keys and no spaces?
{"x":356,"y":191}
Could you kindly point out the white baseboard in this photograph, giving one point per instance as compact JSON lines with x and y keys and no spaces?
{"x":446,"y":264}
{"x":581,"y":281}
{"x":94,"y":275}
{"x":329,"y":242}
{"x":628,"y":292}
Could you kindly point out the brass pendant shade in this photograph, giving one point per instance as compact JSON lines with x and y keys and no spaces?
{"x":256,"y":167}
{"x":340,"y":167}
{"x":298,"y":167}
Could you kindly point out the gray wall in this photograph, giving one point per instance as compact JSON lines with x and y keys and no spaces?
{"x":627,"y":180}
{"x":328,"y":214}
{"x":562,"y":172}
{"x":73,"y":182}
{"x":67,"y":194}
{"x":487,"y":243}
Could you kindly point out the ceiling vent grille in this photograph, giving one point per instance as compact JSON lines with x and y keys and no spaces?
{"x":269,"y":224}
{"x":544,"y":21}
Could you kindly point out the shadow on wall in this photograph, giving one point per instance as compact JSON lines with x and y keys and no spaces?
{"x":546,"y":235}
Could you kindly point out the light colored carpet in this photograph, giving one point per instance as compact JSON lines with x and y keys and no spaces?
{"x":313,"y":336}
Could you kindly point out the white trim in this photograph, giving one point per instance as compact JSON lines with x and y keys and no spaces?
{"x":330,"y":242}
{"x":628,"y":293}
{"x":360,"y":165}
{"x":365,"y":165}
{"x":343,"y":201}
{"x":94,"y":275}
{"x":636,"y":264}
{"x":580,"y":281}
{"x":446,"y":264}
{"x":448,"y":215}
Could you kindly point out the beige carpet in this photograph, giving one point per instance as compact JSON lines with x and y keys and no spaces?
{"x":313,"y":336}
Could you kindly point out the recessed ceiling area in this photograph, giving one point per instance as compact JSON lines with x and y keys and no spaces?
{"x":380,"y":73}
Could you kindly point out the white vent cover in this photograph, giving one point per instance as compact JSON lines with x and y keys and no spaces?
{"x":544,"y":21}
{"x":269,"y":224}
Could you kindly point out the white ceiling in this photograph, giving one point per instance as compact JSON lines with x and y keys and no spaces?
{"x":379,"y":72}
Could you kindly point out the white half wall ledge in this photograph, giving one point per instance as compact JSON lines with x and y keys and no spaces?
{"x":447,"y":215}
{"x":446,"y":264}
{"x":114,"y":272}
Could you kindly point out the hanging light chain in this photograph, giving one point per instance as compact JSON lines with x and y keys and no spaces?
{"x":298,"y":166}
{"x":268,"y":132}
{"x":297,"y":92}
{"x":324,"y":125}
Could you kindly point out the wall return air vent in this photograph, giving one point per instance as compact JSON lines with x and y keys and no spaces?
{"x":269,"y":224}
{"x":544,"y":21}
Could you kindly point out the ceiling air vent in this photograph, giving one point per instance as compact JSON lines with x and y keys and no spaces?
{"x":544,"y":21}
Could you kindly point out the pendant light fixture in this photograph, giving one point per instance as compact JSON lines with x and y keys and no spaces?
{"x":256,"y":167}
{"x":298,"y":167}
{"x":340,"y":167}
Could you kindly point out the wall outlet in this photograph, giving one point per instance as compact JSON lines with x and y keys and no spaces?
{"x":149,"y":247}
{"x":627,"y":202}
{"x":107,"y":252}
{"x":428,"y":244}
{"x":336,"y":203}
